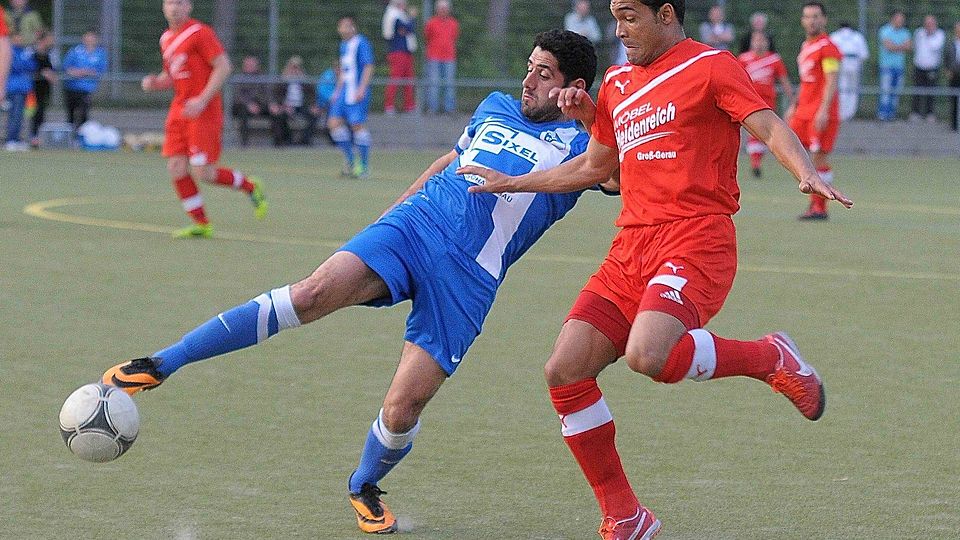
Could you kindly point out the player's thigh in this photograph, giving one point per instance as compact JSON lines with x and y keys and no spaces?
{"x":652,"y":337}
{"x":204,"y":140}
{"x":176,"y":144}
{"x":178,"y":166}
{"x":416,"y":381}
{"x":580,"y":352}
{"x":342,"y":280}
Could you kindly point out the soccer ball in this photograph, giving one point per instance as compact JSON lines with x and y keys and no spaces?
{"x":99,"y":422}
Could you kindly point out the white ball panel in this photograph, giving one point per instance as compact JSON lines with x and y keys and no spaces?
{"x":80,"y":406}
{"x":95,"y":446}
{"x":122,"y":414}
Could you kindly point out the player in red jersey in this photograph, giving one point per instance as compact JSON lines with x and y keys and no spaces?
{"x":816,"y":116}
{"x":196,"y":67}
{"x":6,"y":56}
{"x":765,"y":69}
{"x":671,"y":119}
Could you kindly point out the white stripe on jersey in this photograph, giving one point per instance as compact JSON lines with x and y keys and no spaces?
{"x":177,"y":41}
{"x":659,"y":79}
{"x":616,"y":72}
{"x":348,"y":65}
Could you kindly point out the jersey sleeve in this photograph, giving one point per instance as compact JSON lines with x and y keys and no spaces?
{"x":208,"y":45}
{"x":468,"y":132}
{"x":732,"y":90}
{"x":602,"y":129}
{"x":364,"y":54}
{"x":779,"y":69}
{"x":830,"y":58}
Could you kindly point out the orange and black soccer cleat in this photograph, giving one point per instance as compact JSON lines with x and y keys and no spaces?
{"x":372,"y":515}
{"x":641,"y":526}
{"x":796,"y":379}
{"x":134,"y":376}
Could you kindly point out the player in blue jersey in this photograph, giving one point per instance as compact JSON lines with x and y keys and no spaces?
{"x":351,"y":99}
{"x":439,"y":246}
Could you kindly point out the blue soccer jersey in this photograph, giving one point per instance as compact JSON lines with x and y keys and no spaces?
{"x":356,"y":54}
{"x":496,"y":229}
{"x":446,"y":249}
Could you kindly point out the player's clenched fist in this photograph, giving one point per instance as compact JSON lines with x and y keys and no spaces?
{"x":575,"y":103}
{"x":149,"y":83}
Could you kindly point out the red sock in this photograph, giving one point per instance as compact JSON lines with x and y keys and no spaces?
{"x":701,"y":356}
{"x":234,"y":179}
{"x":190,"y":199}
{"x":589,"y":432}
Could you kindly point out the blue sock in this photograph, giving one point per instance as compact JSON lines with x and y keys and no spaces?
{"x":362,"y":139}
{"x":238,"y":328}
{"x":341,"y":137}
{"x":378,"y":458}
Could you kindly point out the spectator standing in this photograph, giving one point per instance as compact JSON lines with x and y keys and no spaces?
{"x":400,"y":33}
{"x":19,"y":84}
{"x":23,"y":21}
{"x":892,"y":61}
{"x":928,"y":42}
{"x":441,"y":33}
{"x":853,"y":46}
{"x":250,"y":97}
{"x":83,"y":66}
{"x":758,"y":23}
{"x":581,"y":21}
{"x":5,"y":59}
{"x":951,"y":54}
{"x":292,"y":98}
{"x":43,"y":78}
{"x":326,"y":86}
{"x":715,"y":31}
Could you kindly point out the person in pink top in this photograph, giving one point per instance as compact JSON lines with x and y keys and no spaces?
{"x":441,"y":33}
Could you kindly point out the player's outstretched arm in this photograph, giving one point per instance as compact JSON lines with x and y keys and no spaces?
{"x":576,"y":104}
{"x":436,"y":167}
{"x":777,"y":135}
{"x":588,"y":169}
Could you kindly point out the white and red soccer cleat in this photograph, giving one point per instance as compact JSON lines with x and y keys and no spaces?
{"x":796,"y":379}
{"x":640,"y":526}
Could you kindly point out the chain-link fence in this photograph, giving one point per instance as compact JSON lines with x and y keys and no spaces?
{"x":494,"y":41}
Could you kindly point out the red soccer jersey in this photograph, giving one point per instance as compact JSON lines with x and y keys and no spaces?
{"x":3,"y":24}
{"x":441,"y":35}
{"x":764,"y":71}
{"x":676,"y":124}
{"x":188,"y":56}
{"x":816,"y":55}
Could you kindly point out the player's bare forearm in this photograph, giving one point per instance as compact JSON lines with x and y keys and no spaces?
{"x":830,"y":90}
{"x":594,"y":166}
{"x":6,"y":58}
{"x":785,"y":146}
{"x":365,"y":78}
{"x":436,"y":167}
{"x":787,"y":89}
{"x":219,"y":75}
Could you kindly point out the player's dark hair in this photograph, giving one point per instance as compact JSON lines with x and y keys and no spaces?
{"x":679,"y":6}
{"x":576,"y":57}
{"x":820,"y":5}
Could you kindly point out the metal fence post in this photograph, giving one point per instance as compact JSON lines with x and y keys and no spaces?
{"x":274,"y":39}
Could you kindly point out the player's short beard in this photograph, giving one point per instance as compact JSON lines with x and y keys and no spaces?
{"x":539,"y":115}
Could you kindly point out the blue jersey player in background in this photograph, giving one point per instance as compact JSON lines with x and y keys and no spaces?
{"x":351,"y":99}
{"x":439,"y":246}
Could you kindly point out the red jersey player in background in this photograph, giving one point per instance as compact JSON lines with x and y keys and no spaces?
{"x":196,"y":67}
{"x":671,"y":119}
{"x":6,"y":56}
{"x":816,"y":116}
{"x":765,"y":69}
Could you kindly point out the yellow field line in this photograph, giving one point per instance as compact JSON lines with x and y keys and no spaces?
{"x":42,"y":210}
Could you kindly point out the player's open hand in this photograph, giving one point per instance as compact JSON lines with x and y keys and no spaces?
{"x":149,"y":83}
{"x":815,"y":184}
{"x":486,"y":180}
{"x":194,"y":106}
{"x":575,"y":103}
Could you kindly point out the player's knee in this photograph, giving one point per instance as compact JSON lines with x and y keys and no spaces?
{"x":558,"y":372}
{"x":177,"y":167}
{"x":400,"y":413}
{"x":362,"y":137}
{"x":645,"y":358}
{"x":308,"y":295}
{"x":340,"y":133}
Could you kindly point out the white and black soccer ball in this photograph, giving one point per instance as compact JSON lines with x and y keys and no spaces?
{"x":99,"y":422}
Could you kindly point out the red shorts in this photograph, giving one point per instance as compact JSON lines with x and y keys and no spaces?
{"x":683,"y":268}
{"x":812,"y":140}
{"x":198,"y":138}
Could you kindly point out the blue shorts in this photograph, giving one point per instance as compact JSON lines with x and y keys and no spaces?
{"x":353,"y":114}
{"x":451,"y":293}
